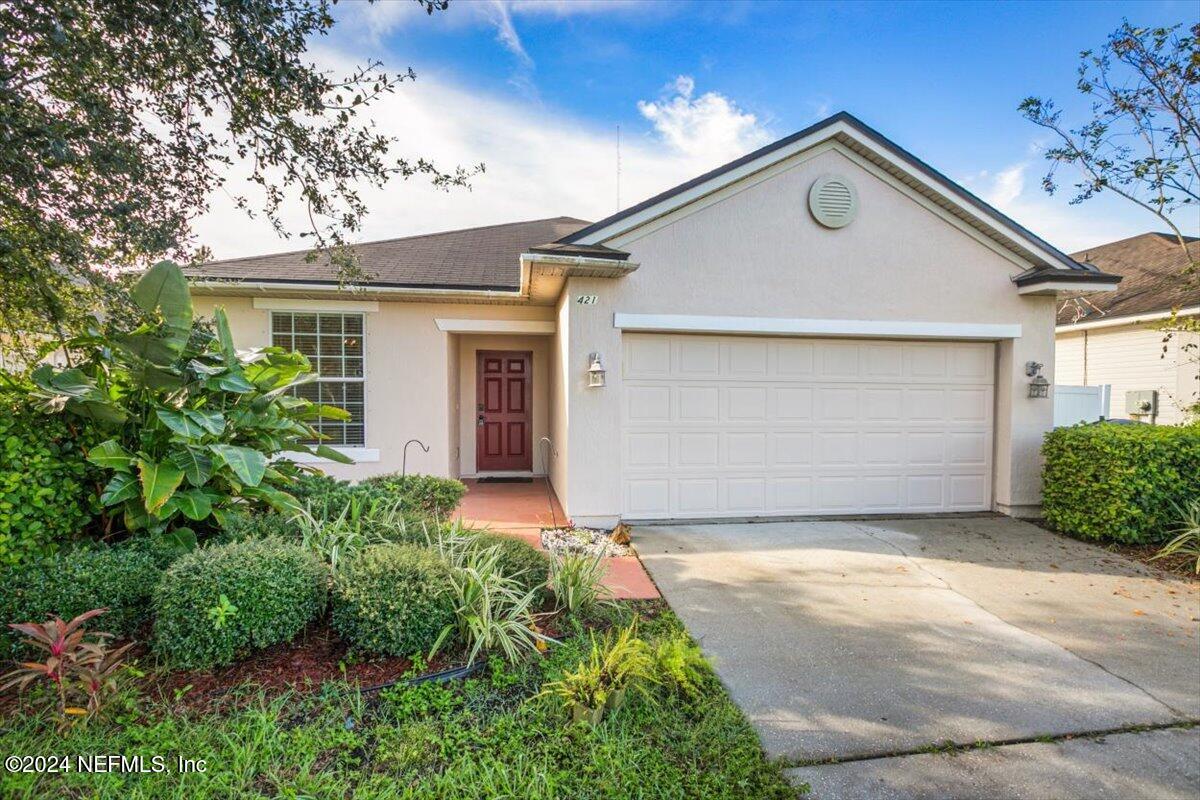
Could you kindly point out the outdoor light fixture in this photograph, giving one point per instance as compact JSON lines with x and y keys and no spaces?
{"x":595,"y":372}
{"x":1039,"y":386}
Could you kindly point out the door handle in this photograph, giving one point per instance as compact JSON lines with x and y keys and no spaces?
{"x":480,"y":421}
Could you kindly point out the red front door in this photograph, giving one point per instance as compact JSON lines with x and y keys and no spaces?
{"x":503,"y":413}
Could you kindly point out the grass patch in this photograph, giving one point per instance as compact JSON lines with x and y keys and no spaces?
{"x":482,"y":738}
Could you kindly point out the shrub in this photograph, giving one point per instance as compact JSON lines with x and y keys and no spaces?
{"x":521,"y":561}
{"x":120,"y":579}
{"x":276,"y":587}
{"x":47,"y":488}
{"x":393,"y":599}
{"x":577,"y":581}
{"x":1187,"y":535}
{"x":492,"y":612}
{"x":616,"y":663}
{"x":1119,"y":482}
{"x":427,"y":494}
{"x":241,"y":526}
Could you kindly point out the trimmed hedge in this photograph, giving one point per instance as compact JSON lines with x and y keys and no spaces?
{"x":393,"y":599}
{"x":1124,"y":483}
{"x":418,"y":494}
{"x":47,"y":490}
{"x":277,"y":587}
{"x":521,"y":561}
{"x":435,"y":497}
{"x":119,"y":578}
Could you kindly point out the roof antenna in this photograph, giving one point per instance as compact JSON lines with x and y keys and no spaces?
{"x":618,"y":166}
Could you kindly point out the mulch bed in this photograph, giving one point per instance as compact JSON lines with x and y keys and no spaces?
{"x":302,"y":666}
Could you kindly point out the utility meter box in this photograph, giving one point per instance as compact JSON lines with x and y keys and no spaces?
{"x":1141,"y":403}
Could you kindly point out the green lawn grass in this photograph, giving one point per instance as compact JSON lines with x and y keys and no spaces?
{"x":484,"y":738}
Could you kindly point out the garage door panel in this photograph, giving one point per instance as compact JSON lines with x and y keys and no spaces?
{"x":740,"y":427}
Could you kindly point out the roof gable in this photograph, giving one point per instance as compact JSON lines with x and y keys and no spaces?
{"x":867,"y":143}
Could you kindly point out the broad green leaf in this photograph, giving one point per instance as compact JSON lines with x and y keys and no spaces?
{"x":111,"y":455}
{"x":279,"y":500}
{"x":167,"y":378}
{"x":159,"y":482}
{"x":150,"y":346}
{"x":193,"y":503}
{"x":98,"y":410}
{"x":230,"y":381}
{"x":196,"y":465}
{"x":71,"y":382}
{"x":225,"y":336}
{"x":211,"y":421}
{"x":180,"y":423}
{"x":328,"y":412}
{"x":164,"y":287}
{"x":201,"y":368}
{"x":247,"y":464}
{"x":179,"y":540}
{"x":325,"y":451}
{"x":122,"y":487}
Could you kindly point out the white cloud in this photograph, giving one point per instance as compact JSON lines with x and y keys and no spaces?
{"x":709,"y":127}
{"x":538,"y":164}
{"x":1068,"y":227}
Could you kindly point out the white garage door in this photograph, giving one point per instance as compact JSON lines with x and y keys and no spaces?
{"x":729,"y":426}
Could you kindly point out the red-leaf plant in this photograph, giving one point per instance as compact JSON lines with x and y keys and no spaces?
{"x":73,"y":665}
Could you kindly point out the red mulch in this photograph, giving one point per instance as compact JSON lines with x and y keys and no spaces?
{"x":316,"y":656}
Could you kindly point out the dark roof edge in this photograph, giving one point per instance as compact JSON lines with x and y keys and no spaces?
{"x":584,"y":250}
{"x":365,"y":287}
{"x":866,"y":130}
{"x":1091,"y":277}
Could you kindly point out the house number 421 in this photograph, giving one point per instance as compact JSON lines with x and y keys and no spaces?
{"x":586,"y":300}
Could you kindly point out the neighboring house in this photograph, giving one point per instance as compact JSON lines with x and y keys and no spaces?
{"x":1113,"y":338}
{"x":824,"y":326}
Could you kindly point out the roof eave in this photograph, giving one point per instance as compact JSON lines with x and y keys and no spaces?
{"x":1054,"y":281}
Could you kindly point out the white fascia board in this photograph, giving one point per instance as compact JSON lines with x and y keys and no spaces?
{"x":299,"y":304}
{"x":592,"y":267}
{"x":1054,"y":287}
{"x":732,"y":176}
{"x":361,"y":455}
{"x":777,"y":326}
{"x":537,"y":327}
{"x":321,"y":289}
{"x":1132,"y":319}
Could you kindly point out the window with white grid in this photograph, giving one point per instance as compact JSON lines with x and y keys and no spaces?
{"x":334,"y":344}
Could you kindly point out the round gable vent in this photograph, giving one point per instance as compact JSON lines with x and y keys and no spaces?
{"x":833,"y":201}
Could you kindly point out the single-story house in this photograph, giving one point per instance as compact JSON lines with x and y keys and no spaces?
{"x":1114,"y":338}
{"x":827,"y":325}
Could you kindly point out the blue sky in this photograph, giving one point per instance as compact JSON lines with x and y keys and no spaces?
{"x":536,"y":92}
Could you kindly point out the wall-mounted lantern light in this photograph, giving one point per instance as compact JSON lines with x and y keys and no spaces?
{"x":595,"y":371}
{"x":1039,"y":386}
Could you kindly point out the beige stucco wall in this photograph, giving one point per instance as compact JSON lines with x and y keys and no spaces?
{"x":468,"y":346}
{"x":560,"y":370}
{"x":1130,"y":358}
{"x":410,"y":368}
{"x":757,"y":252}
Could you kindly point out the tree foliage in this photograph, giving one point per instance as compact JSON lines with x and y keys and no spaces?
{"x":1142,"y":141}
{"x":119,"y":118}
{"x":191,"y":422}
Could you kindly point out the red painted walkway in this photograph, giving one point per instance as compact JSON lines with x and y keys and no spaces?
{"x":523,"y":509}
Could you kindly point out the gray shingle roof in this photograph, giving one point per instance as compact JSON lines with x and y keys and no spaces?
{"x":1151,"y":265}
{"x":473,"y":258}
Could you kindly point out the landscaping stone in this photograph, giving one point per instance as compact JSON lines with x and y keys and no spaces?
{"x":582,"y":540}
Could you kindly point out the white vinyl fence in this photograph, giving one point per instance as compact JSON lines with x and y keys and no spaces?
{"x":1074,"y":404}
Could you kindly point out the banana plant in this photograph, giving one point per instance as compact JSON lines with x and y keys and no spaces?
{"x":193,"y":424}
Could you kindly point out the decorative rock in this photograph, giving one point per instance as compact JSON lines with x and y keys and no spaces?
{"x":583,"y":540}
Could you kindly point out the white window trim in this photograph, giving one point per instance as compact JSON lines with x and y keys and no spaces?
{"x":866,"y":328}
{"x":361,"y":455}
{"x":300,"y":458}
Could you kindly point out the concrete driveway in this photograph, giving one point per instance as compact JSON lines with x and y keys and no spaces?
{"x":858,"y":641}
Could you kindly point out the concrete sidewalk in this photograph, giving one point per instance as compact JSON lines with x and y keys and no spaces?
{"x":853,"y":639}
